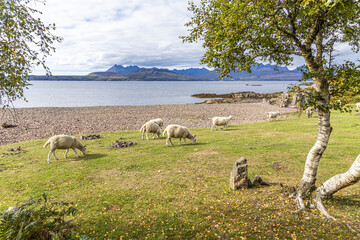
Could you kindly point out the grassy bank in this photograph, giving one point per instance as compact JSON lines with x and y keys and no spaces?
{"x":153,"y":191}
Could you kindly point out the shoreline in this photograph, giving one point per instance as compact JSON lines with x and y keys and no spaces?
{"x":43,"y":122}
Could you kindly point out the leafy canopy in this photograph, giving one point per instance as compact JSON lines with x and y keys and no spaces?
{"x":25,"y":41}
{"x":238,"y":34}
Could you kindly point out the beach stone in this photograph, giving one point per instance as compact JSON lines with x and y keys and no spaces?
{"x":7,"y":125}
{"x":239,"y":175}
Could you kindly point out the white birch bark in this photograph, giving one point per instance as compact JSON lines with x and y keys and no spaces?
{"x":335,"y":184}
{"x":340,"y":181}
{"x":307,"y":184}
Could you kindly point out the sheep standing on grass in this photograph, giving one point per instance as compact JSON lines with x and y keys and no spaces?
{"x":357,"y":106}
{"x":150,"y":127}
{"x":220,"y":121}
{"x":158,"y":121}
{"x":273,"y":115}
{"x":177,"y":131}
{"x":64,"y":142}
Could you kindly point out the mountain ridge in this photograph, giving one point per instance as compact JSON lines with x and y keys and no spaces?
{"x":258,"y":72}
{"x":261,"y":72}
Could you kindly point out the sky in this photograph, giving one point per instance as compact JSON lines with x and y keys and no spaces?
{"x":98,"y":34}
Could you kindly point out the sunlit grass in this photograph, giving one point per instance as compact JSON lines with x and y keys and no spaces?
{"x":153,"y":191}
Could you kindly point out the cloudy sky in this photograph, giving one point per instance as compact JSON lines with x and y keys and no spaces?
{"x":98,"y":34}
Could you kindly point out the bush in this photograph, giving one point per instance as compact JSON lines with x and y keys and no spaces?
{"x":37,"y":219}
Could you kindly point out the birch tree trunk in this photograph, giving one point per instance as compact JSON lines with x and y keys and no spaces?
{"x":335,"y":184}
{"x":340,"y":181}
{"x":307,"y":183}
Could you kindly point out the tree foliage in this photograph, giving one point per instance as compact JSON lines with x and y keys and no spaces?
{"x":25,"y":41}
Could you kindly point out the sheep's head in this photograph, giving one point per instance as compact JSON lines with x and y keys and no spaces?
{"x":83,"y":149}
{"x":194,"y":139}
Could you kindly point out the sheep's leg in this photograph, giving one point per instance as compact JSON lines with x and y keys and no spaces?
{"x":143,"y":135}
{"x":49,"y":155}
{"x":167,"y":141}
{"x":147,"y":136}
{"x":76,"y":152}
{"x":66,"y":152}
{"x":53,"y":153}
{"x":185,"y":141}
{"x":154,"y":136}
{"x":226,"y":127}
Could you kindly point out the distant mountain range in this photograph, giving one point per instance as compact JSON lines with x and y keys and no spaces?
{"x":260,"y":72}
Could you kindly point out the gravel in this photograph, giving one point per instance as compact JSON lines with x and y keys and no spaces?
{"x":38,"y":123}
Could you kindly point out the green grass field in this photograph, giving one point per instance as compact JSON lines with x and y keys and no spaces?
{"x":150,"y":191}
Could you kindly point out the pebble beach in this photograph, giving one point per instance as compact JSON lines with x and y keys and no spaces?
{"x":38,"y":123}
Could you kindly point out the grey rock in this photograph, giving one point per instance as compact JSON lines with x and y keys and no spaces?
{"x":239,"y":176}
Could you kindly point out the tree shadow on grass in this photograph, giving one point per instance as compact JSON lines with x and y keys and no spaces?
{"x":225,"y":130}
{"x":89,"y":157}
{"x":186,"y":145}
{"x":351,"y":201}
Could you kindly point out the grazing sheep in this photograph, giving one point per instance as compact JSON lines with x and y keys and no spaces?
{"x":150,"y":127}
{"x":158,"y":121}
{"x":220,"y":121}
{"x":273,"y":115}
{"x":357,"y":105}
{"x":64,"y":142}
{"x":177,"y":131}
{"x":310,"y":111}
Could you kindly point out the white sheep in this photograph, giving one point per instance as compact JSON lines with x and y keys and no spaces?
{"x":158,"y":121}
{"x":150,"y":127}
{"x":357,"y":105}
{"x":177,"y":131}
{"x":64,"y":142}
{"x":220,"y":121}
{"x":273,"y":115}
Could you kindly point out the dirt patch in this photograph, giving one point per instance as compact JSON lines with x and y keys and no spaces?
{"x":279,"y":167}
{"x":89,"y":137}
{"x":122,"y":144}
{"x":13,"y":151}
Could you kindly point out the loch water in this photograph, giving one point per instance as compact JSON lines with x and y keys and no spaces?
{"x":112,"y":93}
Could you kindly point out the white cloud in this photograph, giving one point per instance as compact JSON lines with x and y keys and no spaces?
{"x":98,"y":34}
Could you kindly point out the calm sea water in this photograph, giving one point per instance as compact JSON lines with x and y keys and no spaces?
{"x":106,"y":93}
